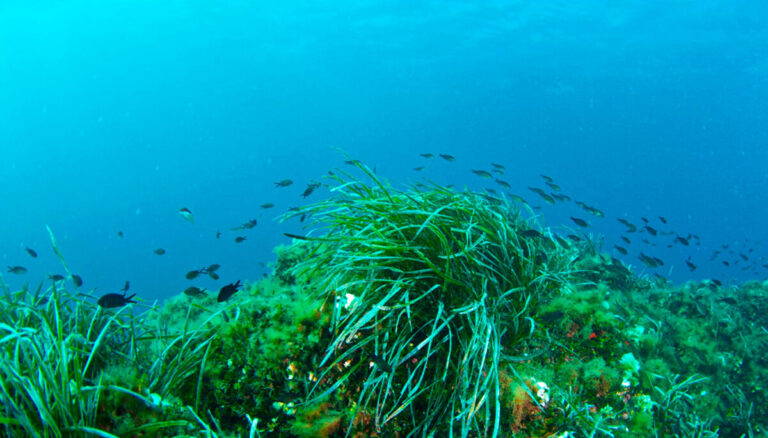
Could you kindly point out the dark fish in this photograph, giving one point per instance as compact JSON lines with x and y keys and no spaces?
{"x":227,"y":291}
{"x":56,"y":277}
{"x":574,"y":238}
{"x":295,"y":236}
{"x":194,"y":292}
{"x":218,"y":234}
{"x":447,"y":157}
{"x":691,"y":266}
{"x":553,"y":186}
{"x":743,"y":256}
{"x":620,"y":249}
{"x":546,"y":178}
{"x":579,"y":222}
{"x":651,"y":262}
{"x":717,"y":282}
{"x":591,"y":210}
{"x":126,"y":286}
{"x":213,"y":268}
{"x":303,"y":217}
{"x":626,"y":240}
{"x":267,"y":205}
{"x":17,"y":269}
{"x":77,"y":280}
{"x":310,"y":189}
{"x":418,"y":169}
{"x":543,"y":194}
{"x":498,"y":166}
{"x":239,"y":239}
{"x":652,"y":231}
{"x":191,"y":275}
{"x":503,"y":183}
{"x":631,"y":228}
{"x":663,"y":219}
{"x":31,"y":252}
{"x":109,"y":301}
{"x":120,"y":234}
{"x":682,"y":240}
{"x":482,"y":173}
{"x":213,"y":275}
{"x":427,"y":155}
{"x":644,"y":219}
{"x":560,"y":197}
{"x":382,"y":364}
{"x":247,"y":225}
{"x":726,"y":263}
{"x":283,"y":183}
{"x":530,"y":233}
{"x":564,"y":243}
{"x":159,"y":251}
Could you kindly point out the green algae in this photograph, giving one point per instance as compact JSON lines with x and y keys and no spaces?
{"x":583,"y":346}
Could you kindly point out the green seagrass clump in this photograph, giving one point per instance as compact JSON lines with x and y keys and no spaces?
{"x":431,"y":292}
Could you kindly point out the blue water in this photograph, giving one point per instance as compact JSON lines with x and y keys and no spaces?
{"x":114,"y":115}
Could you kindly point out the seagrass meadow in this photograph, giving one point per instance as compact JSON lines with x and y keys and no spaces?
{"x":422,"y":311}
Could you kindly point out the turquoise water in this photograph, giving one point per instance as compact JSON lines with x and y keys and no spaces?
{"x":115,"y":115}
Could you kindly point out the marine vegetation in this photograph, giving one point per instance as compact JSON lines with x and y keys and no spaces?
{"x":420,"y":311}
{"x":440,"y":286}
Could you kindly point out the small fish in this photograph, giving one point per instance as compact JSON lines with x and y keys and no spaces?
{"x":382,"y":364}
{"x":213,"y":275}
{"x":191,"y":275}
{"x":126,"y":286}
{"x":497,"y":166}
{"x":283,"y":183}
{"x":213,"y":268}
{"x":682,"y":240}
{"x":620,"y":249}
{"x":267,"y":205}
{"x":427,"y":155}
{"x":644,"y":219}
{"x":295,"y":236}
{"x":194,"y":292}
{"x":239,"y":239}
{"x":310,"y":189}
{"x":690,"y":264}
{"x":663,"y":219}
{"x":560,"y":197}
{"x":227,"y":291}
{"x":187,"y":215}
{"x":31,"y":252}
{"x":218,"y":234}
{"x":548,"y":199}
{"x":726,"y":263}
{"x":717,"y":282}
{"x":482,"y":173}
{"x":447,"y":157}
{"x":626,"y":240}
{"x":503,"y":183}
{"x":159,"y":251}
{"x":56,"y":277}
{"x":17,"y":270}
{"x":652,"y":231}
{"x":552,"y":185}
{"x":109,"y":301}
{"x":77,"y":280}
{"x":546,"y":178}
{"x":530,"y":233}
{"x":580,"y":222}
{"x":120,"y":234}
{"x":247,"y":225}
{"x":418,"y":169}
